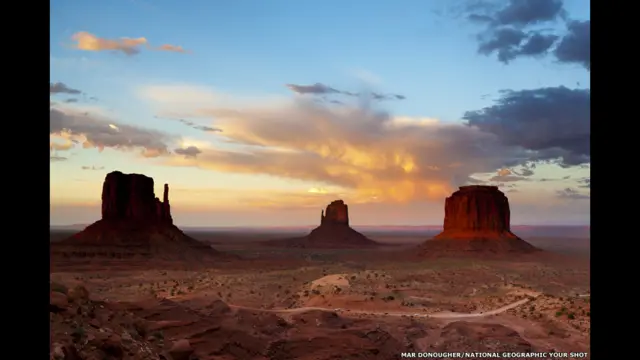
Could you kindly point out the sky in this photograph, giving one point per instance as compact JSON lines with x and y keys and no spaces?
{"x":261,"y":113}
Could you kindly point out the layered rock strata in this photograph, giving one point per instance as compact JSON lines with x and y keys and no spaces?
{"x":477,"y":219}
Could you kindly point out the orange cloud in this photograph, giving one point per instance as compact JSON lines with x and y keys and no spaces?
{"x":129,"y":46}
{"x":366,"y":155}
{"x":171,"y":48}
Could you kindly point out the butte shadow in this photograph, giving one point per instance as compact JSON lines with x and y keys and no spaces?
{"x":334,"y":232}
{"x":476,"y":221}
{"x":135,"y":224}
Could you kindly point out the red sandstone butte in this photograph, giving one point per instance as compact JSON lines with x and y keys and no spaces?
{"x":334,"y":232}
{"x":477,"y":219}
{"x":135,"y":223}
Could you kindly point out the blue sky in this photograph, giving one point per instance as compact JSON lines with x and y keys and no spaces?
{"x":240,"y":54}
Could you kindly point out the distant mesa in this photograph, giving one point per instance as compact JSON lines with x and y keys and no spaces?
{"x":135,"y":223}
{"x":334,"y":232}
{"x":477,"y":220}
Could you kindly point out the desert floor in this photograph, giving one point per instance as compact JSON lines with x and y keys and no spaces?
{"x":280,"y":303}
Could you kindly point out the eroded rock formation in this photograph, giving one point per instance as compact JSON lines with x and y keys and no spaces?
{"x":477,"y":219}
{"x":334,"y":232}
{"x":477,"y":209}
{"x":135,"y":223}
{"x":130,"y":197}
{"x":337,"y":213}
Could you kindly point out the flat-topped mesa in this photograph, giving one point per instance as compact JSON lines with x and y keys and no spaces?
{"x":130,"y":197}
{"x":337,"y":212}
{"x":477,"y":209}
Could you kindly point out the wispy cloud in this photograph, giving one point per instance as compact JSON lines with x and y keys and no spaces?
{"x":572,"y":194}
{"x":60,"y":88}
{"x":128,"y":46}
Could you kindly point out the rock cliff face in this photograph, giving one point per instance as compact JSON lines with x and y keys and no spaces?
{"x":131,"y":197}
{"x":477,"y":209}
{"x":134,"y":224}
{"x":337,"y":213}
{"x":477,"y":219}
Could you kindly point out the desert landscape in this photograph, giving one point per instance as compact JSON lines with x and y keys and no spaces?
{"x":140,"y":288}
{"x":315,"y":180}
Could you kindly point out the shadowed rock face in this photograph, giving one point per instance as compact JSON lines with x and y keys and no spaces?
{"x":477,"y":219}
{"x":337,"y":213}
{"x":334,"y":229}
{"x":131,"y":197}
{"x":134,"y":224}
{"x":334,"y":232}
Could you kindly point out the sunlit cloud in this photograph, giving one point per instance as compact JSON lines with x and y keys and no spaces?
{"x":365,"y":154}
{"x":129,"y":46}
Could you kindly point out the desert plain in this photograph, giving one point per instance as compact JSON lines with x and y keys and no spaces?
{"x":268,"y":302}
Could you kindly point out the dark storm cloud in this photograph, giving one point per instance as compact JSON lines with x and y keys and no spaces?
{"x":322,"y":89}
{"x":188,"y":152}
{"x":102,"y":133}
{"x":509,"y":35}
{"x":572,"y":194}
{"x":575,"y":47}
{"x":554,"y":122}
{"x":521,"y":13}
{"x":60,"y":88}
{"x":510,"y":43}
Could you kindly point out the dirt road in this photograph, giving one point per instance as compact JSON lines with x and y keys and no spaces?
{"x":441,"y":315}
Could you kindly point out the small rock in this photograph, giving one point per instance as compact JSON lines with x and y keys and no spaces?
{"x":181,"y":350}
{"x":79,"y":292}
{"x":57,"y":302}
{"x":57,"y":353}
{"x":94,"y":323}
{"x":70,"y":353}
{"x":113,"y":346}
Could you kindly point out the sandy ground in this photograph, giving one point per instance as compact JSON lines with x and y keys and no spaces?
{"x":332,"y":304}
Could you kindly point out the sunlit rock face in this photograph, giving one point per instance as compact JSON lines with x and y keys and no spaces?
{"x":477,"y":219}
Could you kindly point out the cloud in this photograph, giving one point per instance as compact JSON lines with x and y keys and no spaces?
{"x":60,"y":88}
{"x":572,"y":194}
{"x":128,"y":46}
{"x":193,"y":125}
{"x":584,"y":182}
{"x":97,"y":131}
{"x":575,"y":47}
{"x":514,"y":31}
{"x":54,"y":158}
{"x":359,"y":150}
{"x":188,"y":152}
{"x":507,"y":178}
{"x":367,"y":155}
{"x":315,"y":89}
{"x":171,"y":48}
{"x":510,"y":43}
{"x":520,"y":13}
{"x":554,"y":122}
{"x":92,"y":167}
{"x":322,"y":89}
